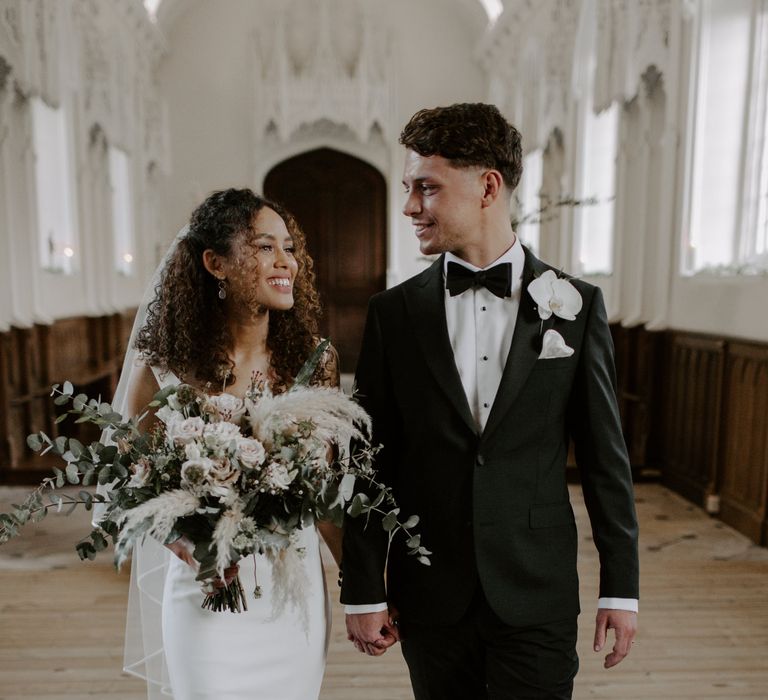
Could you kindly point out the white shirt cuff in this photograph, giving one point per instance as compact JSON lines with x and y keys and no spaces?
{"x":630,"y":604}
{"x":362,"y":609}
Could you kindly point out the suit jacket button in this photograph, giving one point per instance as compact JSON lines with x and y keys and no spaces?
{"x":480,"y":461}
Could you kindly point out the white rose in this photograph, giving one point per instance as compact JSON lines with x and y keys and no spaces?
{"x":221,"y":433}
{"x":278,"y":477}
{"x":227,"y":407}
{"x":192,"y":450}
{"x":184,"y":431}
{"x":224,"y":472}
{"x":174,"y":403}
{"x":168,"y":415}
{"x":195,"y":471}
{"x":250,"y":452}
{"x":141,"y":472}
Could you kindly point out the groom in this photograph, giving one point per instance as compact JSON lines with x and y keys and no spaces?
{"x":477,"y":373}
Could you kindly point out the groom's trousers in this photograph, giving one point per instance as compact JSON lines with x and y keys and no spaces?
{"x":482,"y":658}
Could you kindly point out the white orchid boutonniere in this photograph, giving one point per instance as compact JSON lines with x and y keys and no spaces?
{"x":554,"y":296}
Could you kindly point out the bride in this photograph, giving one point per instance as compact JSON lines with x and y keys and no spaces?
{"x":233,"y":301}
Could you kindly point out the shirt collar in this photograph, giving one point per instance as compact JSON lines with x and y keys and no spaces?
{"x":514,"y":255}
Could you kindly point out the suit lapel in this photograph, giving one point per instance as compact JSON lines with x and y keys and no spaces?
{"x":524,"y":350}
{"x":425,"y":301}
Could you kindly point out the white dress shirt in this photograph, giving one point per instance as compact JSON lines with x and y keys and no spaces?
{"x":480,"y":330}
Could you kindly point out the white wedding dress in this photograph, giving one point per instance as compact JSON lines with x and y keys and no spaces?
{"x":252,"y":655}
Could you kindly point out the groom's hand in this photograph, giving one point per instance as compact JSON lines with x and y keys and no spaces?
{"x":371,"y":633}
{"x":624,"y":623}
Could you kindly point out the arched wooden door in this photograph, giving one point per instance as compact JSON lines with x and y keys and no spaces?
{"x":340,"y":203}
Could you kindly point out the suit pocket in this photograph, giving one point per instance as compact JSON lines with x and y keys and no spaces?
{"x":551,"y":515}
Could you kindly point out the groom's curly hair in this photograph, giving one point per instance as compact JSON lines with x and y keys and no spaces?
{"x":469,"y":134}
{"x":186,"y":330}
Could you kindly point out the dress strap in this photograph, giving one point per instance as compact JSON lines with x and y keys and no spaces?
{"x":164,"y":378}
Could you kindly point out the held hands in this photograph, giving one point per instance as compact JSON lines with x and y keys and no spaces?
{"x":624,"y":622}
{"x":373,"y":633}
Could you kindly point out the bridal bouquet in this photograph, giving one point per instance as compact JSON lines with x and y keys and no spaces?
{"x":233,"y":476}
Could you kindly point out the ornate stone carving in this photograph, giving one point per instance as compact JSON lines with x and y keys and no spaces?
{"x":6,"y":96}
{"x":309,"y":69}
{"x":5,"y":72}
{"x":10,"y":21}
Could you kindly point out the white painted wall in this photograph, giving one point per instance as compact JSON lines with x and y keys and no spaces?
{"x":181,"y":95}
{"x":208,"y":79}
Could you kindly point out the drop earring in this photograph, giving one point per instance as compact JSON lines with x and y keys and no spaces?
{"x":222,"y":289}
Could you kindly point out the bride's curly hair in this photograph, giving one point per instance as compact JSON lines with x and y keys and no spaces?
{"x":186,"y":330}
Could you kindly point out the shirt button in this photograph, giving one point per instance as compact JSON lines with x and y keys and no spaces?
{"x":485,"y":357}
{"x":483,"y":309}
{"x":485,"y":405}
{"x":480,"y":461}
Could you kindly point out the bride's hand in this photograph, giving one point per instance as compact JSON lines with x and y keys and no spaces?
{"x":230,"y":573}
{"x":182,"y":548}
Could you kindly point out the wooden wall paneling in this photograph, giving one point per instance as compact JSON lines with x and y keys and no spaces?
{"x":86,"y":351}
{"x":639,"y":361}
{"x":70,"y":349}
{"x":5,"y":388}
{"x":692,"y":424}
{"x":744,"y":455}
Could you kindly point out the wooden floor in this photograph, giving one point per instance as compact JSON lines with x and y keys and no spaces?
{"x":703,"y":620}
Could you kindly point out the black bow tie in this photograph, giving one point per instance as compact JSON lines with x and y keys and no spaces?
{"x":497,"y":279}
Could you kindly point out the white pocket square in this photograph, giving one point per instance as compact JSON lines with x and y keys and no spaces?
{"x":553,"y":346}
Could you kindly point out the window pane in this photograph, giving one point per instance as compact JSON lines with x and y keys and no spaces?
{"x":720,"y":114}
{"x":530,"y":200}
{"x":57,"y":242}
{"x":595,"y":242}
{"x":122,"y":210}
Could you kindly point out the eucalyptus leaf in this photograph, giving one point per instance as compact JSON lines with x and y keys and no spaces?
{"x":359,"y":502}
{"x":68,"y":388}
{"x":34,"y":442}
{"x":413,"y":521}
{"x":73,"y":473}
{"x":347,"y":487}
{"x":308,"y":370}
{"x":99,"y":542}
{"x":76,"y":447}
{"x":389,"y":522}
{"x":413,"y":542}
{"x":105,"y":474}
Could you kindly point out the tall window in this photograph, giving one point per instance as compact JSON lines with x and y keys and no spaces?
{"x":529,"y":225}
{"x":122,"y":210}
{"x":754,"y":247}
{"x":594,"y":239}
{"x":57,"y":238}
{"x":759,"y":245}
{"x":719,"y":212}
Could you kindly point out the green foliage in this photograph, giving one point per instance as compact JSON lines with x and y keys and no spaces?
{"x":127,"y":454}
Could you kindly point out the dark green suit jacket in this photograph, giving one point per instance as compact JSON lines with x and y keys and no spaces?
{"x":494,"y":506}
